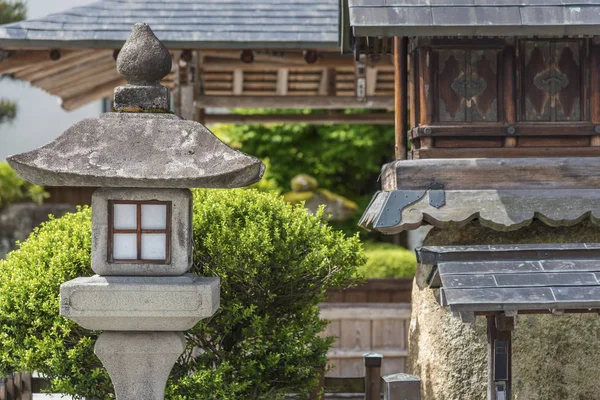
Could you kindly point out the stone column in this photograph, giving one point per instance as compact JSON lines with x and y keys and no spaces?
{"x":554,"y":357}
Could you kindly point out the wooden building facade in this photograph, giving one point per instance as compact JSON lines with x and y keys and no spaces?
{"x":497,"y":112}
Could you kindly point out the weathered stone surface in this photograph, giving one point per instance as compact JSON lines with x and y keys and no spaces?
{"x":143,"y":59}
{"x":18,"y":220}
{"x":137,"y":98}
{"x":139,"y":363}
{"x":181,"y":232}
{"x":128,"y":303}
{"x":553,"y":357}
{"x":138,"y":150}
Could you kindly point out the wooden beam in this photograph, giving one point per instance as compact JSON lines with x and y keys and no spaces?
{"x":176,"y":84}
{"x":508,"y":152}
{"x":95,"y":93}
{"x":23,"y":59}
{"x":314,"y":119}
{"x":88,"y":83}
{"x":238,"y":81}
{"x":69,"y":76}
{"x":41,"y":69}
{"x":401,"y":96}
{"x":595,"y":89}
{"x":294,"y":102}
{"x":371,"y":76}
{"x":282,"y":81}
{"x":494,"y":173}
{"x":508,"y":95}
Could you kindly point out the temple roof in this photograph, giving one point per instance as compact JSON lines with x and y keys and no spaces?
{"x":533,"y":278}
{"x":185,"y":24}
{"x":473,"y":17}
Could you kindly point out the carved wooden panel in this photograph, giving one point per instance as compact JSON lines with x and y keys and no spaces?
{"x":467,"y":85}
{"x":451,"y":85}
{"x":551,"y":81}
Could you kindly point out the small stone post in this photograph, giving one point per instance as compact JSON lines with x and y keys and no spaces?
{"x":401,"y":387}
{"x":144,"y":159}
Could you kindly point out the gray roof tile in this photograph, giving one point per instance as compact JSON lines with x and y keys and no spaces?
{"x":186,"y":23}
{"x":474,"y":17}
{"x":497,"y":279}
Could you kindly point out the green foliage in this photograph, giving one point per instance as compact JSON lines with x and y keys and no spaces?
{"x":385,"y":260}
{"x":12,"y":11}
{"x":275,"y":262}
{"x":343,"y":158}
{"x":15,"y":189}
{"x":8,"y":110}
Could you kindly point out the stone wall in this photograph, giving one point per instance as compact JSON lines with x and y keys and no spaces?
{"x":553,"y":357}
{"x":17,"y":221}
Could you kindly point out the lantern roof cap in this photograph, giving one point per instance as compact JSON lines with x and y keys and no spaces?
{"x":140,"y":144}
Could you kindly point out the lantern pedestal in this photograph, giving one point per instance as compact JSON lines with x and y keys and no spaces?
{"x":139,"y":363}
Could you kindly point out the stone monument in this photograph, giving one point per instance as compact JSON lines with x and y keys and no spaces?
{"x":144,"y":159}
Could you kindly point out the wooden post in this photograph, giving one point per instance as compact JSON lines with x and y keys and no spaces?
{"x":177,"y":85}
{"x":373,"y":376}
{"x":595,"y":88}
{"x":508,"y":92}
{"x":26,"y":387}
{"x":401,"y":387}
{"x":425,"y":85}
{"x":401,"y":95}
{"x":499,"y":329}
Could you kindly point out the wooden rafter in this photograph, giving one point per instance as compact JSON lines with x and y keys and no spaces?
{"x":314,"y":119}
{"x":295,"y":102}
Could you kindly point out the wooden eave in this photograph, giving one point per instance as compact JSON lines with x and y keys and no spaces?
{"x":502,"y":194}
{"x":275,"y":79}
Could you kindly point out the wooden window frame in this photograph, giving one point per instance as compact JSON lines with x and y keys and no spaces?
{"x":139,"y":232}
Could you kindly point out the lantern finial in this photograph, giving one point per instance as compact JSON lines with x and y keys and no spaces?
{"x":143,"y":62}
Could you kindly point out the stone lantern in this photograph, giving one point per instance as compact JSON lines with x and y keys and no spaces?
{"x":144,"y":159}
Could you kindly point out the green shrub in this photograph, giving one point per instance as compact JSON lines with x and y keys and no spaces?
{"x":385,"y":260}
{"x":15,"y":189}
{"x":275,"y":262}
{"x":343,"y":158}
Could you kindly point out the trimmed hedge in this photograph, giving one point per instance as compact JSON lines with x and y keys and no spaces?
{"x":385,"y":260}
{"x":275,"y":262}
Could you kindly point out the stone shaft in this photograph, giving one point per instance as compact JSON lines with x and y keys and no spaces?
{"x":139,"y":363}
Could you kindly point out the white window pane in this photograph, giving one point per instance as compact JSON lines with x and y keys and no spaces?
{"x":125,"y":246}
{"x":154,"y":246}
{"x":154,"y":216}
{"x":125,"y":216}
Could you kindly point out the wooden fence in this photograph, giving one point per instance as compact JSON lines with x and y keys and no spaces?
{"x":374,"y":291}
{"x":366,"y":327}
{"x":369,"y":386}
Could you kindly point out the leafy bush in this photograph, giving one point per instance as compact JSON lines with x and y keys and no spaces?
{"x":275,"y":262}
{"x":15,"y":189}
{"x":385,"y":260}
{"x":343,"y":158}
